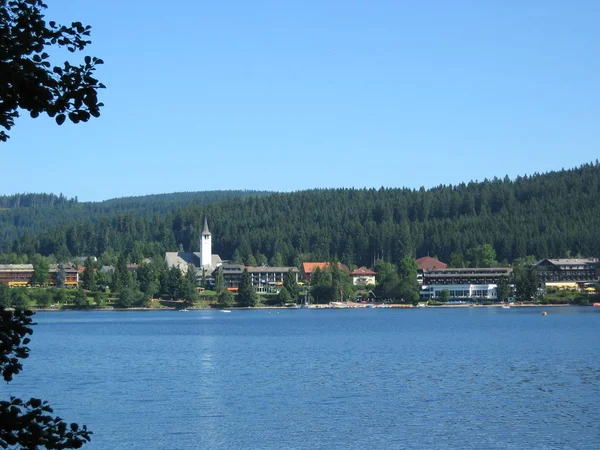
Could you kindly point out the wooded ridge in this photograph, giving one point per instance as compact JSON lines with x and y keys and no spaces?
{"x":556,"y":214}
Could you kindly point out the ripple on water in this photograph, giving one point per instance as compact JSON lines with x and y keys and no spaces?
{"x":377,"y":379}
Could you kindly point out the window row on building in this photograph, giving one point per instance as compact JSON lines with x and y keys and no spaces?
{"x":461,"y":291}
{"x":15,"y":275}
{"x":577,"y":269}
{"x":264,"y":279}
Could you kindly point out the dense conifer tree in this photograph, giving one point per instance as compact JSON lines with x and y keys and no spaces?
{"x":246,"y":294}
{"x":219,"y":281}
{"x":88,"y":277}
{"x":61,"y":276}
{"x":290,"y":285}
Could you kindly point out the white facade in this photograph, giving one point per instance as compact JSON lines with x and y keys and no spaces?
{"x":204,"y":262}
{"x":205,"y":247}
{"x":461,"y":291}
{"x":363,"y":280}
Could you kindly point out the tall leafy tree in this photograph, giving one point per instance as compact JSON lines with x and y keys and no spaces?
{"x":526,"y":283}
{"x":81,"y":298}
{"x":19,"y":298}
{"x":40,"y":272}
{"x":483,"y":256}
{"x":387,"y":278}
{"x":408,"y":289}
{"x":29,"y":81}
{"x":503,"y":289}
{"x":320,"y":285}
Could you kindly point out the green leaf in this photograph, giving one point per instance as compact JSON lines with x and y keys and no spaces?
{"x":60,"y":119}
{"x":88,"y":60}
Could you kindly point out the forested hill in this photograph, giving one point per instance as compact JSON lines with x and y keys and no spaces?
{"x":548,"y":215}
{"x":35,"y":213}
{"x":33,"y":200}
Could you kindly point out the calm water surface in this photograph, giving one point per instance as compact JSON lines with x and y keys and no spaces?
{"x":475,"y":378}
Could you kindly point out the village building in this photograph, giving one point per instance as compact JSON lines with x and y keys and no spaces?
{"x":309,"y":267}
{"x":474,"y":275}
{"x":71,"y":275}
{"x":264,"y":279}
{"x":15,"y":275}
{"x":428,"y":263}
{"x":463,"y":283}
{"x":566,"y":273}
{"x":363,"y":277}
{"x":461,"y":291}
{"x":203,"y":261}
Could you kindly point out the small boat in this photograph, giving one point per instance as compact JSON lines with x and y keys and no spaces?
{"x":544,"y":313}
{"x":183,"y":310}
{"x":505,"y":306}
{"x":225,"y":310}
{"x":337,"y":305}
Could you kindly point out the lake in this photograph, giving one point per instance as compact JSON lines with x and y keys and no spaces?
{"x":468,"y":378}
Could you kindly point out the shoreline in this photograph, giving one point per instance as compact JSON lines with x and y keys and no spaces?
{"x":241,"y":308}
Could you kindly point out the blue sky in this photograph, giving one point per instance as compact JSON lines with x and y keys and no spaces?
{"x":290,"y":95}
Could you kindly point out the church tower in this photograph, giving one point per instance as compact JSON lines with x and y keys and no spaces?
{"x":205,"y":246}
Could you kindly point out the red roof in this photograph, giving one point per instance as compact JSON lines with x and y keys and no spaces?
{"x":309,"y":267}
{"x":363,"y":271}
{"x":429,"y":263}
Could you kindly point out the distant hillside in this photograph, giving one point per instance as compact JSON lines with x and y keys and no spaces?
{"x":35,"y":213}
{"x":33,"y":200}
{"x":548,"y":215}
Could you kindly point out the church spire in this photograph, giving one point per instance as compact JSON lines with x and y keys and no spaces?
{"x":205,"y":230}
{"x":205,"y":246}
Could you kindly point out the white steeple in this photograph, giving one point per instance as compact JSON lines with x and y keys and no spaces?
{"x":205,"y":246}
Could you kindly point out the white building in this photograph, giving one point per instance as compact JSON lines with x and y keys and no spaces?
{"x":203,"y":261}
{"x":461,"y":291}
{"x":363,"y":277}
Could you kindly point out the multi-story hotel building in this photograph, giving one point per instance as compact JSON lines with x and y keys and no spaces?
{"x":552,"y":271}
{"x":15,"y":275}
{"x":264,"y":279}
